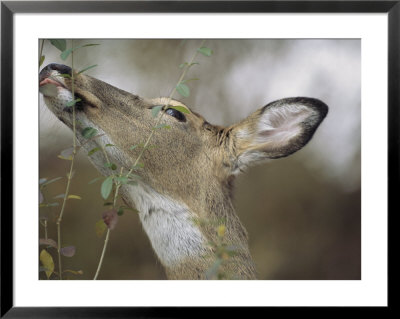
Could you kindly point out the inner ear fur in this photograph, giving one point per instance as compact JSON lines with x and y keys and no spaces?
{"x":278,"y":129}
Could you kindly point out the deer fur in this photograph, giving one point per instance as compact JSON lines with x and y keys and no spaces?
{"x":187,"y":180}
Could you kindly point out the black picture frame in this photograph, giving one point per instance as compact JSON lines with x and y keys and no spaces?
{"x":9,"y":8}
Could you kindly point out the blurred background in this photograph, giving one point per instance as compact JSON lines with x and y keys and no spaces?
{"x":302,"y":213}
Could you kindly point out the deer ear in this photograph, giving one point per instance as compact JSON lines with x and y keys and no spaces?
{"x":276,"y":130}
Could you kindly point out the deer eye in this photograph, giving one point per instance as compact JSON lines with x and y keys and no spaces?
{"x":175,"y":113}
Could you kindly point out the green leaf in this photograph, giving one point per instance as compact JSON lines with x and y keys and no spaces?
{"x":120,"y":211}
{"x":59,"y":196}
{"x":106,"y":187}
{"x":89,"y":132}
{"x":60,"y":44}
{"x":182,"y":65}
{"x":128,"y":208}
{"x":75,"y":272}
{"x":109,"y":145}
{"x":188,"y":80}
{"x":111,"y":165}
{"x":137,"y":166}
{"x":108,"y":204}
{"x":93,"y":150}
{"x":65,"y":158}
{"x":122,"y":179}
{"x":73,"y":102}
{"x":183,"y":89}
{"x":100,"y":227}
{"x":205,"y":51}
{"x":64,"y":55}
{"x":180,"y":108}
{"x":47,"y":262}
{"x":95,"y":180}
{"x":74,"y":197}
{"x":65,"y":75}
{"x":41,"y":60}
{"x":50,"y":181}
{"x":160,"y":126}
{"x":155,"y":110}
{"x":48,"y":205}
{"x":87,"y":68}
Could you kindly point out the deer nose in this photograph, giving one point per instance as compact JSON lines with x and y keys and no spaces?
{"x":46,"y":71}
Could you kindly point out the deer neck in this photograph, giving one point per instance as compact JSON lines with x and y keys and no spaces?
{"x":181,"y":235}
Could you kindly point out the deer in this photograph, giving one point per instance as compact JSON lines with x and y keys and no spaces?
{"x":190,"y":175}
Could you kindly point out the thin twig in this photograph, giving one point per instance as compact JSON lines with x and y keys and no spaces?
{"x":69,"y":176}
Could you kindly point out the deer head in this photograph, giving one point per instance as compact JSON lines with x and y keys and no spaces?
{"x":186,"y":183}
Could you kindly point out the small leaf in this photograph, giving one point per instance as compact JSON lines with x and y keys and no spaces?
{"x":87,"y":68}
{"x":111,"y":165}
{"x":67,"y":153}
{"x":109,"y":145}
{"x":205,"y":51}
{"x":182,"y":65}
{"x":183,"y":89}
{"x":48,"y":242}
{"x":41,"y":60}
{"x":89,"y":132}
{"x":95,"y":180}
{"x":64,"y":55}
{"x":138,"y":166}
{"x":100,"y":228}
{"x":110,"y":218}
{"x":129,"y":208}
{"x":155,"y":110}
{"x":60,"y":44}
{"x":160,"y":126}
{"x":47,"y":262}
{"x":122,"y":179}
{"x":221,"y":230}
{"x":73,"y":102}
{"x":74,"y":197}
{"x":65,"y":75}
{"x":106,"y":187}
{"x":75,"y":272}
{"x":188,"y":80}
{"x":133,"y":147}
{"x":65,"y":158}
{"x":180,"y":108}
{"x":93,"y":150}
{"x":48,"y":204}
{"x":108,"y":204}
{"x":68,"y":251}
{"x":59,"y":196}
{"x":48,"y":90}
{"x":120,"y":211}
